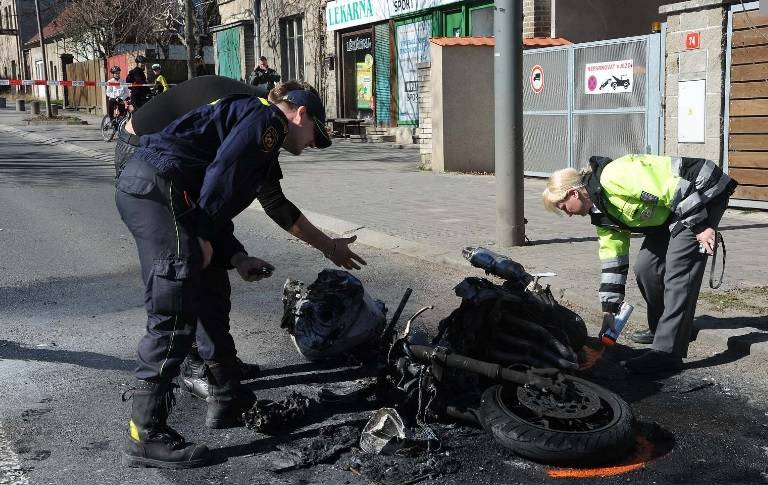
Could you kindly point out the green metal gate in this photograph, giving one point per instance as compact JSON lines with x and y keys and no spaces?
{"x":228,"y":53}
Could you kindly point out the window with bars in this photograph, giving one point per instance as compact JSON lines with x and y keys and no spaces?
{"x":292,"y":48}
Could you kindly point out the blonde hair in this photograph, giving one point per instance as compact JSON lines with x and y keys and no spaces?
{"x":558,"y":185}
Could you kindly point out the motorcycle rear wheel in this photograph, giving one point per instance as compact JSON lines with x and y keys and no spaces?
{"x":595,"y":426}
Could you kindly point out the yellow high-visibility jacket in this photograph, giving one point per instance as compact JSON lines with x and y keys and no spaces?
{"x":646,"y":194}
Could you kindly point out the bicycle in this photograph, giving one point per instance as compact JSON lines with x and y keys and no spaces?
{"x":109,"y":127}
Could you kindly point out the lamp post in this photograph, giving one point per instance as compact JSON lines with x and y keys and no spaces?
{"x":508,"y":122}
{"x":48,"y":110}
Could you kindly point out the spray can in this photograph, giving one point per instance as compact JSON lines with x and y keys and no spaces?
{"x":620,"y":321}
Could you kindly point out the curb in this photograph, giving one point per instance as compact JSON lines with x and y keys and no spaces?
{"x":385,"y":242}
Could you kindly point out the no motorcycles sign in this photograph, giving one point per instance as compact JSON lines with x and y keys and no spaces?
{"x":609,"y":77}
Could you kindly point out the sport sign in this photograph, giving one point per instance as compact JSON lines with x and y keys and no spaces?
{"x":609,"y":77}
{"x":537,"y":79}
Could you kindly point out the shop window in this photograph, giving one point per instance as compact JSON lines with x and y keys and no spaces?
{"x":481,"y":21}
{"x":292,"y":48}
{"x":357,"y":68}
{"x":412,"y":37}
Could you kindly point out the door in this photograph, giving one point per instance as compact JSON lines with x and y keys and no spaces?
{"x":228,"y":53}
{"x":746,"y":141}
{"x":357,"y":73}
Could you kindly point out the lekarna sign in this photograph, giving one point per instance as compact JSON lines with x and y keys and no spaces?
{"x":537,"y":79}
{"x":609,"y":77}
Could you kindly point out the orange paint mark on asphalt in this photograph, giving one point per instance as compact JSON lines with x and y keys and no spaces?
{"x":591,"y":357}
{"x":643,"y":454}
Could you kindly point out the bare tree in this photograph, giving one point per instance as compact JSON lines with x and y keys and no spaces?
{"x":186,"y":22}
{"x":99,"y":26}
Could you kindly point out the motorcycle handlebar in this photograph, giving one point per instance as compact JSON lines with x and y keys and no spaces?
{"x":426,"y":353}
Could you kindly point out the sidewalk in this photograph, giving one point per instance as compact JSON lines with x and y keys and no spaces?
{"x":377,"y":192}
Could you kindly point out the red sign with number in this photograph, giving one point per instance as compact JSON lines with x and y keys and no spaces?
{"x":692,"y":40}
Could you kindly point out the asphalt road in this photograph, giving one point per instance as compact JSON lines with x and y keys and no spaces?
{"x":71,"y":314}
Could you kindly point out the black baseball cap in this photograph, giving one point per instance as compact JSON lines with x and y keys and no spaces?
{"x":315,"y":109}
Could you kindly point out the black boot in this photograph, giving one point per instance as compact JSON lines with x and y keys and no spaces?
{"x":228,"y":398}
{"x":193,"y":375}
{"x":151,"y":442}
{"x":194,"y":371}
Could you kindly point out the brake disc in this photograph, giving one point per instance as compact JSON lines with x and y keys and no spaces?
{"x":581,"y":402}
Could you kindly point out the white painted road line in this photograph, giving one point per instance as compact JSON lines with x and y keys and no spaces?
{"x":11,"y":472}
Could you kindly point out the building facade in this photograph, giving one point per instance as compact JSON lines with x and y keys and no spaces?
{"x":18,"y":24}
{"x":716,"y":90}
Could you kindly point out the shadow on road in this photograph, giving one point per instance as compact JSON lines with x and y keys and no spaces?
{"x":738,"y":347}
{"x":743,"y":226}
{"x":92,"y":360}
{"x":708,"y":322}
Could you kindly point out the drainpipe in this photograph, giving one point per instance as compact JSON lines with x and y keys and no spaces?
{"x":257,"y":29}
{"x":553,"y":19}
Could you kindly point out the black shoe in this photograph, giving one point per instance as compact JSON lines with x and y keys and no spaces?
{"x":193,"y":377}
{"x":151,"y":442}
{"x":653,"y":362}
{"x":642,"y":337}
{"x":228,"y":399}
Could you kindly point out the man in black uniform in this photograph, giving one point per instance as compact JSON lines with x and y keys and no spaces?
{"x":263,"y":76}
{"x":158,"y":113}
{"x":137,"y":75}
{"x":178,"y":195}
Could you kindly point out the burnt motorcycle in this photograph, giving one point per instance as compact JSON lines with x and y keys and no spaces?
{"x":505,"y":360}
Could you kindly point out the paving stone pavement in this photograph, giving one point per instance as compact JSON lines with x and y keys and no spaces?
{"x":378,"y":192}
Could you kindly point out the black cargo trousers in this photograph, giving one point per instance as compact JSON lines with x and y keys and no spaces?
{"x":183,"y":301}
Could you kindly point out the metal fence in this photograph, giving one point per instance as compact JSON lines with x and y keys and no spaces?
{"x":565,"y":123}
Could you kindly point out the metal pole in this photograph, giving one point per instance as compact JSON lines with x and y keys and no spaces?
{"x":20,"y":68}
{"x":45,"y":61}
{"x":189,"y":35}
{"x":508,"y":121}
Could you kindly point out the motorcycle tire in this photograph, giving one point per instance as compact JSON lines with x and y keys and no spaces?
{"x":606,"y":435}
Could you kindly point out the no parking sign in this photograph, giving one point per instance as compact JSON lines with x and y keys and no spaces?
{"x":537,"y":79}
